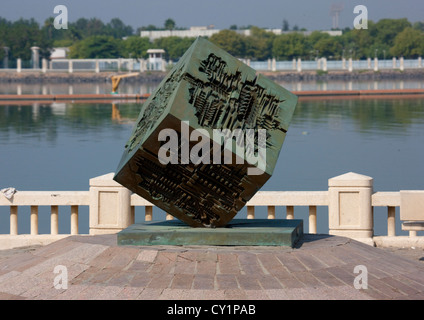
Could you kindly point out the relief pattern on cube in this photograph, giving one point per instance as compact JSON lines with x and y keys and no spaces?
{"x":218,"y":96}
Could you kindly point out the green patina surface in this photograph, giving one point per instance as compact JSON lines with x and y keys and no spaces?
{"x":207,"y":90}
{"x":238,"y":232}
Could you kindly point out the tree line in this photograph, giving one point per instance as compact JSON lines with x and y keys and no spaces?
{"x":92,"y":38}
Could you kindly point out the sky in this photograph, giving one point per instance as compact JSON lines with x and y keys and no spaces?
{"x":309,"y":14}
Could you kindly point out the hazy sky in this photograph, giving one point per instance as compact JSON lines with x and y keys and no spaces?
{"x":309,"y":14}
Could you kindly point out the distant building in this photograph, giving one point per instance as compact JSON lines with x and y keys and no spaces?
{"x":59,"y":53}
{"x":156,"y":59}
{"x":207,"y":31}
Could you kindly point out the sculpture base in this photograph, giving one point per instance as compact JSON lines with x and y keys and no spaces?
{"x":238,"y":232}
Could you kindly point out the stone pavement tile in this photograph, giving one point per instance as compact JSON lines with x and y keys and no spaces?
{"x":86,"y":275}
{"x":122,"y":258}
{"x":269,"y":282}
{"x":147,"y":255}
{"x":129,"y":293}
{"x":20,"y":262}
{"x":98,"y":292}
{"x":7,"y":296}
{"x":226,"y":281}
{"x":344,"y":274}
{"x":309,"y":260}
{"x":181,"y":294}
{"x":56,"y":248}
{"x":122,"y":279}
{"x":277,"y":294}
{"x":150,"y":294}
{"x":248,"y":282}
{"x":140,"y":279}
{"x":164,"y":263}
{"x":213,"y":294}
{"x":182,"y":281}
{"x":71,"y":292}
{"x":302,"y":294}
{"x":291,"y":262}
{"x":160,"y":281}
{"x":401,"y":284}
{"x":308,"y":279}
{"x":185,"y":265}
{"x":347,"y":292}
{"x":290,"y":282}
{"x":8,"y":275}
{"x":256,"y":295}
{"x":327,"y":257}
{"x":348,"y":255}
{"x":103,"y":258}
{"x":326,"y":278}
{"x":235,"y":294}
{"x":102,"y":276}
{"x":249,"y":263}
{"x":228,"y":263}
{"x":83,"y":253}
{"x":139,"y":266}
{"x":270,"y":264}
{"x":19,"y":284}
{"x":384,"y":288}
{"x":417,"y":277}
{"x":206,"y":267}
{"x":204,"y":281}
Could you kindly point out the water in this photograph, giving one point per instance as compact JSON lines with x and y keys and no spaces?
{"x":148,"y":87}
{"x":61,"y":146}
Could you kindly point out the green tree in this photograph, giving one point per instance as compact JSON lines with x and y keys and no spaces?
{"x":409,"y":44}
{"x":259,"y":44}
{"x":118,"y":29}
{"x":169,"y":24}
{"x":96,"y":47}
{"x":290,"y":46}
{"x":136,"y":47}
{"x":230,"y":41}
{"x":174,"y":46}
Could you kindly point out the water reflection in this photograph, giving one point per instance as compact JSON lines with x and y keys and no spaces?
{"x":60,"y":146}
{"x":149,"y":87}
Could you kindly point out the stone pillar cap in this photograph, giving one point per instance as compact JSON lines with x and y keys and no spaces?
{"x":351,"y":179}
{"x":105,"y":180}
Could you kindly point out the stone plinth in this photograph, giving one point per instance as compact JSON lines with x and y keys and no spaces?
{"x":238,"y":232}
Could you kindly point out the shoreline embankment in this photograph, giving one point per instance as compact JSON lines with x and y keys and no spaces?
{"x":37,"y":76}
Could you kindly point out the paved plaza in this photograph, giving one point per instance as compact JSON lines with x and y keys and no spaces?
{"x":319,"y":267}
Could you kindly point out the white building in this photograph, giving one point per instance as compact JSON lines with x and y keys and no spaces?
{"x":156,"y":60}
{"x":208,"y":31}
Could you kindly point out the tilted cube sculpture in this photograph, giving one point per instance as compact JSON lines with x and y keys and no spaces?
{"x":208,"y":138}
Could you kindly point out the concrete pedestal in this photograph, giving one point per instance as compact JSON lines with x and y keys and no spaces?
{"x":238,"y":232}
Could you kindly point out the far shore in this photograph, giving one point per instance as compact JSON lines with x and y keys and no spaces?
{"x":36,"y":76}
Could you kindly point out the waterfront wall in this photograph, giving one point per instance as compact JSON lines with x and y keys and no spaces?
{"x":350,"y":200}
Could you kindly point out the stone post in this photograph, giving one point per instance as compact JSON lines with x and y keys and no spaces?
{"x":350,"y":211}
{"x":44,"y":65}
{"x":19,"y":65}
{"x":294,"y":65}
{"x":274,"y":64}
{"x":70,"y":66}
{"x":35,"y":57}
{"x":401,"y":64}
{"x":375,"y":64}
{"x":350,"y":65}
{"x":324,"y":64}
{"x":344,"y":63}
{"x":299,"y":65}
{"x":97,"y":66}
{"x":394,"y":62}
{"x":369,"y":63}
{"x":269,"y":64}
{"x":420,"y":62}
{"x":110,"y":206}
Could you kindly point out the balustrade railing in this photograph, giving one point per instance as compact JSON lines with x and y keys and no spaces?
{"x":112,"y":208}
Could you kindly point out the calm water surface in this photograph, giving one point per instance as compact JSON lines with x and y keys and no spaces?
{"x":62,"y":146}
